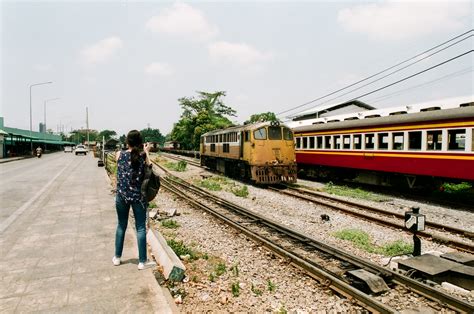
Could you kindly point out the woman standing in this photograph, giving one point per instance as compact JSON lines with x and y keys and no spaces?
{"x":130,"y":170}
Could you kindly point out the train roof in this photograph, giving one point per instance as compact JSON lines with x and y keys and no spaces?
{"x":239,"y":128}
{"x":437,"y":115}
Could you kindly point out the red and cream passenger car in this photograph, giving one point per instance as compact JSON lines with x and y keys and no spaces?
{"x":410,"y":148}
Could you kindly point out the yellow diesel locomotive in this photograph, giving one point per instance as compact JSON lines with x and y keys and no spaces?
{"x":262,"y":152}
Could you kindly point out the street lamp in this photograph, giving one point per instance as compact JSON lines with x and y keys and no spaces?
{"x":44,"y":121}
{"x":31,"y":117}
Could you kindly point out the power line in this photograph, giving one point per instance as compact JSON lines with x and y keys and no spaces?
{"x":371,"y":76}
{"x":413,"y":75}
{"x":449,"y":76}
{"x":396,"y":71}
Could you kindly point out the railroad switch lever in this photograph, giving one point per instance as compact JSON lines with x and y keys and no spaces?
{"x":414,"y":221}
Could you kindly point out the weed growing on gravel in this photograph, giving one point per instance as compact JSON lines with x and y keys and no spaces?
{"x":152,"y":205}
{"x":235,"y":289}
{"x":170,"y":223}
{"x":205,"y":256}
{"x":256,"y":291}
{"x":361,"y":239}
{"x":212,"y":277}
{"x":210,"y":184}
{"x":243,"y":191}
{"x":195,"y":279}
{"x":181,"y":249}
{"x":282,"y":310}
{"x":179,"y":166}
{"x":354,"y":193}
{"x":220,"y":269}
{"x":396,"y":248}
{"x":235,"y":270}
{"x":271,"y":286}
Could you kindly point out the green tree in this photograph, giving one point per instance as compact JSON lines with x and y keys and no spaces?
{"x":80,"y":136}
{"x":108,"y":134}
{"x":152,"y":135}
{"x":262,"y":117}
{"x":205,"y":113}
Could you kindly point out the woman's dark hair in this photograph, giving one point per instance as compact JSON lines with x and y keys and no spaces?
{"x":134,"y":141}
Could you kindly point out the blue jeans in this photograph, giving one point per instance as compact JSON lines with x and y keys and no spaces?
{"x":140,"y":213}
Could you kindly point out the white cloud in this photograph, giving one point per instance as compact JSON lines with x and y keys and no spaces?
{"x":238,"y":54}
{"x":160,"y":69}
{"x":102,"y":51}
{"x":182,"y":20}
{"x":398,"y":20}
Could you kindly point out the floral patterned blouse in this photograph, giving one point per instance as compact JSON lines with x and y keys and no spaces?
{"x":129,"y":181}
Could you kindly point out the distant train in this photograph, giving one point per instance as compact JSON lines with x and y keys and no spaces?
{"x":410,"y":149}
{"x":263,"y":152}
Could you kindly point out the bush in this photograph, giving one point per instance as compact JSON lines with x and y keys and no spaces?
{"x":456,"y":188}
{"x":241,"y":192}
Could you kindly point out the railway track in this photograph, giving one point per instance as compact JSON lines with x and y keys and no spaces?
{"x":326,"y":264}
{"x":365,"y":211}
{"x":362,"y":211}
{"x":178,"y":158}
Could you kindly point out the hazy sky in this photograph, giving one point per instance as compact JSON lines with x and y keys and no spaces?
{"x":129,"y":61}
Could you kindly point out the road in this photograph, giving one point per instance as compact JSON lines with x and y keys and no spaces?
{"x":57,"y":232}
{"x":25,"y":181}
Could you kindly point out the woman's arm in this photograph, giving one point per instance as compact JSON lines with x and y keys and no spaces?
{"x":146,"y":149}
{"x":117,"y":155}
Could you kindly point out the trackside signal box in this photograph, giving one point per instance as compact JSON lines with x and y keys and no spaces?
{"x":414,"y":221}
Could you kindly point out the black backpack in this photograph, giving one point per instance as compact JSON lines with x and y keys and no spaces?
{"x":150,"y":184}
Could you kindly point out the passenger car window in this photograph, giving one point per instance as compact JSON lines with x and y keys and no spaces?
{"x":260,"y":134}
{"x":337,"y":141}
{"x":457,"y":139}
{"x":327,"y":142}
{"x":434,"y":139}
{"x":305,"y":142}
{"x":398,"y":139}
{"x":311,"y":142}
{"x":369,"y":141}
{"x":319,"y":142}
{"x":287,"y":134}
{"x":414,"y":140}
{"x":357,"y":140}
{"x":383,"y":140}
{"x":274,"y":133}
{"x":346,"y":141}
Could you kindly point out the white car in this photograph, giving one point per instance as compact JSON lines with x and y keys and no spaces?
{"x":81,"y":149}
{"x":68,"y":149}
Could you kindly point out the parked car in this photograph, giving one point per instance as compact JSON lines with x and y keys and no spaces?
{"x":68,"y":149}
{"x":81,"y":149}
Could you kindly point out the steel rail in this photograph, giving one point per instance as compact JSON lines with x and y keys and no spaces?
{"x":451,"y":242}
{"x":324,"y":277}
{"x":462,"y":232}
{"x":420,"y":288}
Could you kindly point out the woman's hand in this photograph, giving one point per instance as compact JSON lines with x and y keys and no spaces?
{"x":147,"y":147}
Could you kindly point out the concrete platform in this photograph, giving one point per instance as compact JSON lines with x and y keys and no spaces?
{"x":56,"y":256}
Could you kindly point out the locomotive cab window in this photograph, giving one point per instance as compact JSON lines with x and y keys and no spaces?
{"x":414,"y":140}
{"x":247,"y":136}
{"x":274,"y":133}
{"x":383,"y":140}
{"x":456,"y":139}
{"x":397,"y":139}
{"x":287,"y":134}
{"x":434,"y":140}
{"x":357,"y":141}
{"x":369,"y":141}
{"x":260,"y":134}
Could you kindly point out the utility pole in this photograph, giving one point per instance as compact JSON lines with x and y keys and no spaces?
{"x":87,"y":124}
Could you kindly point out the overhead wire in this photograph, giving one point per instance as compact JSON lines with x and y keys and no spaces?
{"x":396,"y":71}
{"x":378,"y":73}
{"x":399,"y":92}
{"x":413,"y":75}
